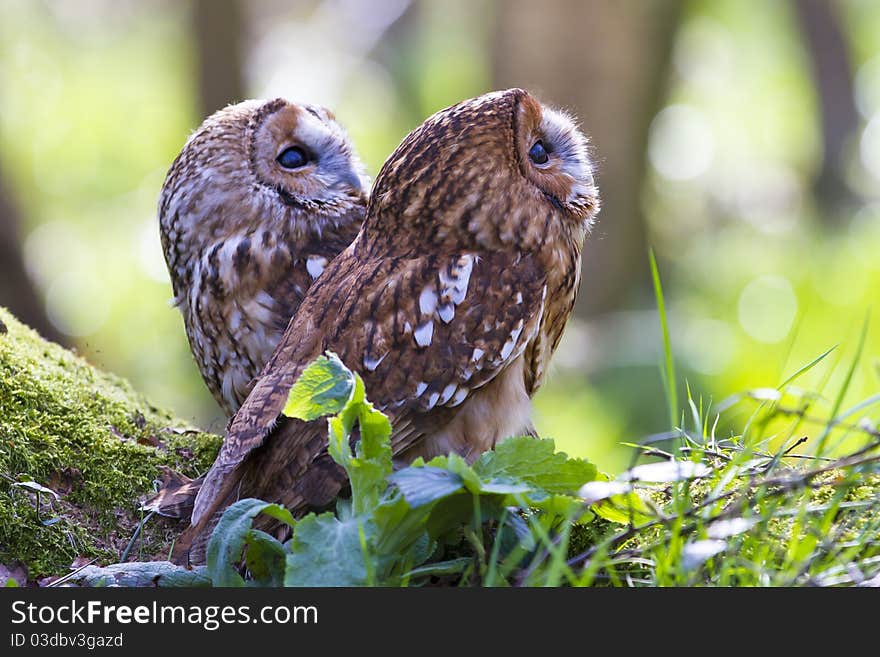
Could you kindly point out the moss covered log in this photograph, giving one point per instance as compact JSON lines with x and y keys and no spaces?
{"x":94,"y":443}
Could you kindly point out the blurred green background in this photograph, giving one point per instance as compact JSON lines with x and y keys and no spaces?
{"x":739,"y":138}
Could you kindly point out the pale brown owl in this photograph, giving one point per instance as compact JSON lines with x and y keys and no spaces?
{"x":263,"y":195}
{"x":449,"y":303}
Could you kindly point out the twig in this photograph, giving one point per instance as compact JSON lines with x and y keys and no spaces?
{"x":61,"y":580}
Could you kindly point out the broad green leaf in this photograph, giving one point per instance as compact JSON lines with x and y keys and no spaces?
{"x":400,"y":540}
{"x":457,"y":511}
{"x":375,"y":430}
{"x":515,"y":531}
{"x":564,"y":506}
{"x":326,"y":552}
{"x":371,"y":463}
{"x":265,"y":558}
{"x":368,"y":481}
{"x":324,"y":388}
{"x":398,"y":525}
{"x":504,"y":486}
{"x":420,"y":551}
{"x":534,"y":461}
{"x":338,"y":447}
{"x":369,"y":470}
{"x":231,"y":533}
{"x":454,"y":463}
{"x":350,"y":413}
{"x":426,"y":484}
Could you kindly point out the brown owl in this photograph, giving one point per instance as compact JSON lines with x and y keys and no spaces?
{"x":449,"y":303}
{"x":263,"y":195}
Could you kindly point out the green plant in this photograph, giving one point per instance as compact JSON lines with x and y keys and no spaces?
{"x":711,"y":511}
{"x":751,"y":508}
{"x":440,"y":519}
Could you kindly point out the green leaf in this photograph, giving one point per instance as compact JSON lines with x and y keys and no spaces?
{"x":426,"y":484}
{"x":441,"y":568}
{"x":564,"y":506}
{"x":369,"y":470}
{"x":371,"y":463}
{"x":454,"y":463}
{"x":326,"y":552}
{"x":534,"y":461}
{"x":398,"y":525}
{"x":504,"y":486}
{"x":456,"y":511}
{"x":229,"y":537}
{"x":265,"y":559}
{"x":516,"y":533}
{"x":401,"y":540}
{"x":324,"y":388}
{"x":614,"y":501}
{"x":623,"y":509}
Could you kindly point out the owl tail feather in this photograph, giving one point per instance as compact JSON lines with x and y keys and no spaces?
{"x":291,"y":468}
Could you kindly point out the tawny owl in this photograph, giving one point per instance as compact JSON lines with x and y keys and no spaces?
{"x":449,"y":303}
{"x":263,"y":195}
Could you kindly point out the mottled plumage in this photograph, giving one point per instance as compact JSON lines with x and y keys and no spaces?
{"x":449,"y":303}
{"x":245,"y":237}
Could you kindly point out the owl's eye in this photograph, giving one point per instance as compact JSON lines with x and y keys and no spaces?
{"x":293,"y":158}
{"x":538,"y":154}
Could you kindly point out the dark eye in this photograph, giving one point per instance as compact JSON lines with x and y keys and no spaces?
{"x":293,"y":158}
{"x":538,"y":154}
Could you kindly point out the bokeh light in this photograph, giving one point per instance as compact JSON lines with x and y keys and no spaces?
{"x":767,"y":308}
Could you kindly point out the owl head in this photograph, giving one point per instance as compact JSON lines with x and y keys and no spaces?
{"x":501,"y":170}
{"x":255,"y":166}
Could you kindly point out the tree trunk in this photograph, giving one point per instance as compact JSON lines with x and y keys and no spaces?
{"x":607,"y":61}
{"x":217,"y":27}
{"x":17,"y":291}
{"x":826,"y":45}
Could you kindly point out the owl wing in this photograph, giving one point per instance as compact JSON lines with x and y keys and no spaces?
{"x":440,"y":330}
{"x":290,"y":280}
{"x":423,"y":332}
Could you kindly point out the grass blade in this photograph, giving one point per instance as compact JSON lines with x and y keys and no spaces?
{"x":838,"y":402}
{"x":806,"y":368}
{"x":668,"y":372}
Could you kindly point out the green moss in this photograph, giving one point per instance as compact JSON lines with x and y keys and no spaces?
{"x":88,"y":436}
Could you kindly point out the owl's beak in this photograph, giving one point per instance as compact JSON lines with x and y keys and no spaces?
{"x":345,"y":178}
{"x":356,"y":180}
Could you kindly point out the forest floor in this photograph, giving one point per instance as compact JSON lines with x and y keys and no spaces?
{"x":81,"y":451}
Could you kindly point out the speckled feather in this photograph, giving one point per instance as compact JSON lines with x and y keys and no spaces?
{"x":245,"y":238}
{"x":449,"y":303}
